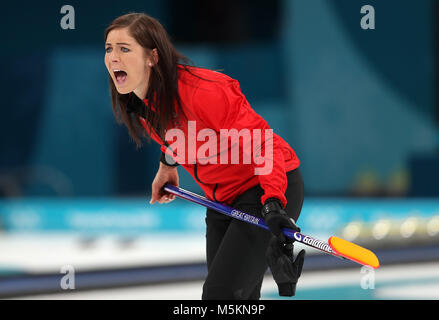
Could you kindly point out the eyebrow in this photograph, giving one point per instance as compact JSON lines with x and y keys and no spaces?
{"x":119,"y":43}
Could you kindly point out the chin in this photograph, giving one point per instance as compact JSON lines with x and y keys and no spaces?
{"x":123,"y":90}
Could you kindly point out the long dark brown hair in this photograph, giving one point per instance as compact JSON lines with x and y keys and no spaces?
{"x":162,"y":94}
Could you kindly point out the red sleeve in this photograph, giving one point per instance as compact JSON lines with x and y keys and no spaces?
{"x":223,"y":106}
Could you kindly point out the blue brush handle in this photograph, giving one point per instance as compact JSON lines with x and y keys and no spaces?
{"x":231,"y":212}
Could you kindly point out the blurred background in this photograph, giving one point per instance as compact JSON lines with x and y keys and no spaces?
{"x":360,"y":108}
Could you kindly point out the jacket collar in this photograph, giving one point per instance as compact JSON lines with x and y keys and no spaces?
{"x":136,"y":105}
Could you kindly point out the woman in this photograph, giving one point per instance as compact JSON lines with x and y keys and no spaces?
{"x":156,"y":94}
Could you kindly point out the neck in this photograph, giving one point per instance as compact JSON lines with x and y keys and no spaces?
{"x":142,"y":89}
{"x":141,"y":93}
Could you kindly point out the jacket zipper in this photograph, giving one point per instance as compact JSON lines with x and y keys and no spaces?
{"x":198,"y":179}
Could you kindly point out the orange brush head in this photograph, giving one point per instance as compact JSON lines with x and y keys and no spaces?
{"x":354,"y":252}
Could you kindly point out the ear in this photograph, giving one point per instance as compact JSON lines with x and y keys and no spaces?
{"x":154,"y":57}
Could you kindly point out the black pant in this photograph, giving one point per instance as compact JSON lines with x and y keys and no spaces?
{"x":235,"y":249}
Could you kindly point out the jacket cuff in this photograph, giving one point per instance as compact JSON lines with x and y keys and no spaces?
{"x":280,"y":198}
{"x":272,"y":199}
{"x":163,"y":159}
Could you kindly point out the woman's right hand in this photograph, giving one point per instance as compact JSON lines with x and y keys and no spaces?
{"x":165,"y":174}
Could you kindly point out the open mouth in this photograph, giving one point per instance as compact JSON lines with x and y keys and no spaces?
{"x":120,"y":76}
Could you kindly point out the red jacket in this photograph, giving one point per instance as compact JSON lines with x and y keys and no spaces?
{"x":215,"y":105}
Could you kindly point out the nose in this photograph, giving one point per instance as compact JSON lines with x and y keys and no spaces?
{"x":114,"y":56}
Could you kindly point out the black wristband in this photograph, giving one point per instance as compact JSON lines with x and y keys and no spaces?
{"x":164,"y":161}
{"x":272,"y":199}
{"x":271,"y":204}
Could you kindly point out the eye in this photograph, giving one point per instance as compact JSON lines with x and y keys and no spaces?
{"x":108,"y":49}
{"x":123,"y":49}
